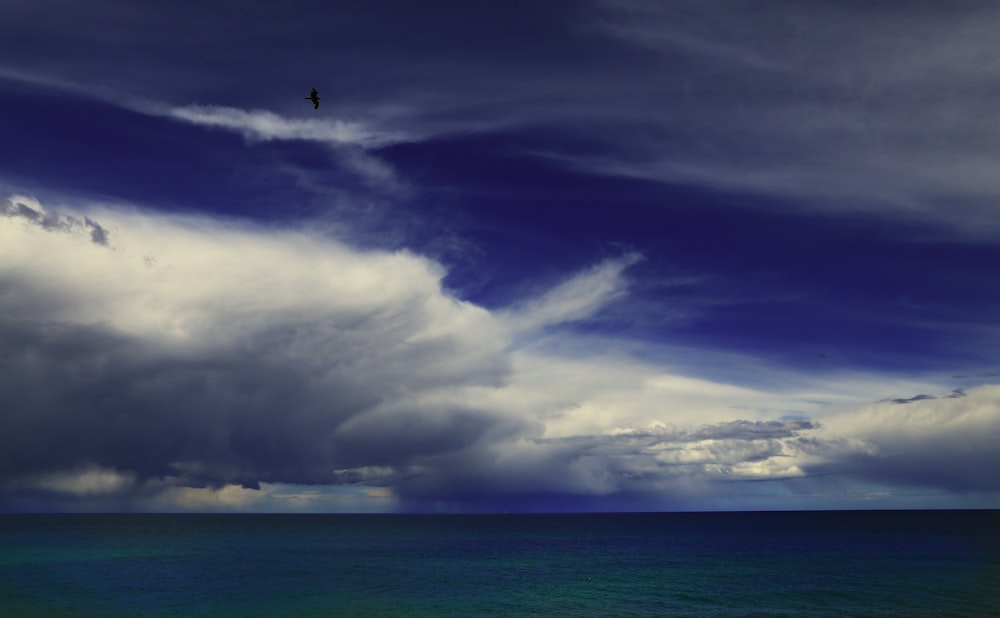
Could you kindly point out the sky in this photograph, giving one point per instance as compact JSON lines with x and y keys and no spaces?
{"x":600,"y":255}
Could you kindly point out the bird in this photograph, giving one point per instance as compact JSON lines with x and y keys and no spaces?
{"x":821,"y":355}
{"x":314,"y":97}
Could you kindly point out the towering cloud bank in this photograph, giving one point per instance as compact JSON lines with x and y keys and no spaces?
{"x":146,"y":357}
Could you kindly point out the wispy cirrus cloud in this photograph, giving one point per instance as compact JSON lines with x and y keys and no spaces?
{"x":350,"y":142}
{"x":266,"y":125}
{"x":856,"y":110}
{"x":825,"y":106}
{"x":578,"y":297}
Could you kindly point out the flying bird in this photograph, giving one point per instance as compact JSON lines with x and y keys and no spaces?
{"x":314,"y":97}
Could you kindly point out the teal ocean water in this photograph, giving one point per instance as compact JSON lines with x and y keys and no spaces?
{"x":877,"y":563}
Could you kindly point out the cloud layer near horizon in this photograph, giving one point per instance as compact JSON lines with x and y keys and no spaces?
{"x":154,"y":355}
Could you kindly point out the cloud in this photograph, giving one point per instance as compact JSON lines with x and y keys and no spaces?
{"x":578,"y":297}
{"x":207,"y":363}
{"x":646,"y":447}
{"x":859,"y":110}
{"x":659,"y":467}
{"x":30,"y":210}
{"x":956,"y":393}
{"x":212,"y":353}
{"x":985,"y":374}
{"x":220,"y":354}
{"x":351,"y":143}
{"x":824,"y":106}
{"x":84,"y":481}
{"x":946,"y":442}
{"x":265,"y":125}
{"x":270,"y":498}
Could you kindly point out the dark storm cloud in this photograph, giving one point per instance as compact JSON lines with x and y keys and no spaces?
{"x":398,"y":437}
{"x":957,"y":464}
{"x":955,"y":394}
{"x":293,"y":362}
{"x":98,"y":234}
{"x":914,"y":398}
{"x":735,"y":431}
{"x":754,"y":430}
{"x":218,"y":356}
{"x":947,"y":467}
{"x":53,"y":222}
{"x":87,"y":395}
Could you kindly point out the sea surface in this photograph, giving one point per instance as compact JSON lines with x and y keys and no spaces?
{"x":873,"y":563}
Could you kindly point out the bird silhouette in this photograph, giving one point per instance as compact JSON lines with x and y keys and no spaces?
{"x":314,"y":97}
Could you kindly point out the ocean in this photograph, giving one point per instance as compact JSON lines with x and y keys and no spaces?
{"x":853,"y":563}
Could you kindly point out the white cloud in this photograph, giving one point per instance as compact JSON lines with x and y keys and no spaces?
{"x":223,"y":353}
{"x":948,"y":440}
{"x":194,"y":359}
{"x":576,"y":298}
{"x":265,"y":125}
{"x":350,"y":142}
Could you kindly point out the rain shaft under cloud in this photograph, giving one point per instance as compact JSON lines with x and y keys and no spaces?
{"x":167,"y":354}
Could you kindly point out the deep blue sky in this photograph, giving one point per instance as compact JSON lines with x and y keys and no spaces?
{"x":602,"y":255}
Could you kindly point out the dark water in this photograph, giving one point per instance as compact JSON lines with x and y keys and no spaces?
{"x":911,"y":563}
